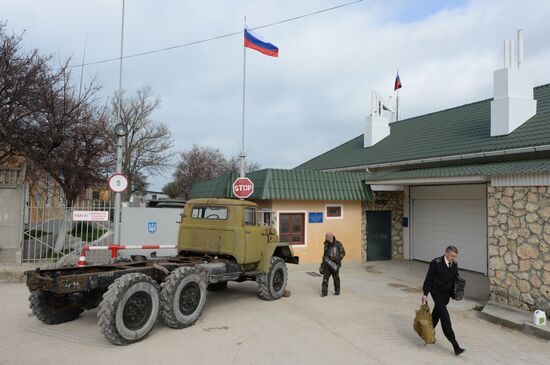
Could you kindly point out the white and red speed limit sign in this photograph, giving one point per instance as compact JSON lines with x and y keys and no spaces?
{"x":118,"y":183}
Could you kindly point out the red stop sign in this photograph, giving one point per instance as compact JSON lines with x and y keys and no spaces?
{"x":243,"y":187}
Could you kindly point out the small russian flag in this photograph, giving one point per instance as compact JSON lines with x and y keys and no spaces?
{"x":397,"y":84}
{"x":253,"y":42}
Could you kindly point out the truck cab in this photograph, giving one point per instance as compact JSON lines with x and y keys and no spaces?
{"x":226,"y":227}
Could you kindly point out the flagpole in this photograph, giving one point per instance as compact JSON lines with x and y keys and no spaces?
{"x":242,"y":173}
{"x":397,"y":106}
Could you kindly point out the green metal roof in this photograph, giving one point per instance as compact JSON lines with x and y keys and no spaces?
{"x":278,"y":184}
{"x":460,"y":130}
{"x":486,"y":169}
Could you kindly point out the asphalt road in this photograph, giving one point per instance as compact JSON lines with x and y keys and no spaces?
{"x":370,"y":323}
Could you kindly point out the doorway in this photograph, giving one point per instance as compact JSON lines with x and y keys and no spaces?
{"x":378,"y":235}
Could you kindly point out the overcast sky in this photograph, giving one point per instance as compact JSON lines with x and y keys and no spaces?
{"x":316,"y":95}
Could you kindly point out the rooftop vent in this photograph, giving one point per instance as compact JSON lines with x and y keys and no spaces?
{"x":513,"y":102}
{"x":377,"y":123}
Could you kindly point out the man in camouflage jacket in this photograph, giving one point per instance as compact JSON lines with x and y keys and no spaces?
{"x":332,"y":261}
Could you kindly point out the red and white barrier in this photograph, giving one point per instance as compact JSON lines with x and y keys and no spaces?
{"x":115,"y":248}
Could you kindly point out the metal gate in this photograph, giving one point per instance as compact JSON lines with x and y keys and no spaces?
{"x":58,"y":233}
{"x":378,"y":235}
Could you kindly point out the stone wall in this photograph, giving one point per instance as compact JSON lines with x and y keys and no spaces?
{"x":386,"y":200}
{"x":519,"y":253}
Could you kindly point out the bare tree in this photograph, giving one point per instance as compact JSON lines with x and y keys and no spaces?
{"x":202,"y":163}
{"x":148,"y":144}
{"x":43,"y":119}
{"x":233,"y":164}
{"x":22,"y":75}
{"x":171,"y":189}
{"x":67,"y":138}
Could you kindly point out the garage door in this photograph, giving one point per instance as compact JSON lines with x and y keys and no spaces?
{"x":450,"y":215}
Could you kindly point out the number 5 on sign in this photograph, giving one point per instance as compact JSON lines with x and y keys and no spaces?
{"x":118,"y":183}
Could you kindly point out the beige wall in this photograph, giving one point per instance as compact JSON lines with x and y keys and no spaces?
{"x":347,"y":230}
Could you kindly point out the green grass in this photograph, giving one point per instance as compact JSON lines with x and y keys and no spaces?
{"x":57,"y":255}
{"x":35,"y":233}
{"x":478,"y":308}
{"x":87,"y":232}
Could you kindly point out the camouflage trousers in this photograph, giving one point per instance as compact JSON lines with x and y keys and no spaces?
{"x":335,"y":277}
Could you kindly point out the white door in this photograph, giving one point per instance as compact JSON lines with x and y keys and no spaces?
{"x":450,"y":215}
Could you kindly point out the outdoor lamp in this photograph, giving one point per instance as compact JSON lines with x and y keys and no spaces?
{"x":121,"y":129}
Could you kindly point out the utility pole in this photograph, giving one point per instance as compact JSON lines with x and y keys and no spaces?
{"x":120,"y":129}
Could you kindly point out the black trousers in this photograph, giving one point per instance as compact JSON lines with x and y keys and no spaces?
{"x":440,"y":313}
{"x":335,"y":277}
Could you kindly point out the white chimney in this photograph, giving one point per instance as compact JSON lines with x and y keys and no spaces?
{"x":377,"y":123}
{"x":513,"y":102}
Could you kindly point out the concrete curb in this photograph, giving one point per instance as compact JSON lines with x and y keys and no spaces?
{"x":515,"y":319}
{"x":13,"y":273}
{"x":11,"y":276}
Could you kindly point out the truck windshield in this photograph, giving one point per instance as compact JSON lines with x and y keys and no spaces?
{"x":209,"y":213}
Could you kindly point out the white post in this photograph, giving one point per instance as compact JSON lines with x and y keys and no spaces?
{"x":118,"y":197}
{"x":397,"y":106}
{"x":242,"y":172}
{"x":520,"y":48}
{"x":512,"y":54}
{"x":506,"y":54}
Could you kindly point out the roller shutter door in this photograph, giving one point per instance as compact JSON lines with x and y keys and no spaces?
{"x":450,"y":215}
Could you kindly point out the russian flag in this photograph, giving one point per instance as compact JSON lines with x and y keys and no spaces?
{"x":253,"y":42}
{"x":397,"y":85}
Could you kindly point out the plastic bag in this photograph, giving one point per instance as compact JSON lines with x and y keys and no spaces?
{"x":423,"y":324}
{"x":330,"y":263}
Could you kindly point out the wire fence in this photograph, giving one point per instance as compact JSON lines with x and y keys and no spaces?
{"x":56,"y":234}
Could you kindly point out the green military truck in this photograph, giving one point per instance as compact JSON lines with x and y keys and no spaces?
{"x":220,"y":240}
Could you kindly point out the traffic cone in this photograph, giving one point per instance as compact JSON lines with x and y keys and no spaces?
{"x":82,"y":260}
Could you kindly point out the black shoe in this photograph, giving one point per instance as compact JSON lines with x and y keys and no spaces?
{"x":323,"y":294}
{"x":459,"y":350}
{"x":337,"y":293}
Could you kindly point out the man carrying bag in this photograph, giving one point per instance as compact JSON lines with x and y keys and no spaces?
{"x":440,"y":283}
{"x":332,"y":261}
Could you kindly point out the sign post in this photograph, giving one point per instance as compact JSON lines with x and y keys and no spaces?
{"x":118,"y":183}
{"x":243,"y":187}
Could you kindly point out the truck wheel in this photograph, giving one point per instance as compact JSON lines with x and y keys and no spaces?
{"x":272,"y":285}
{"x":129,"y":309}
{"x":183,"y":297}
{"x":51,"y":308}
{"x":222,"y":285}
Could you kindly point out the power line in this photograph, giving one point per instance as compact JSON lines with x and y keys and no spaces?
{"x":216,"y":37}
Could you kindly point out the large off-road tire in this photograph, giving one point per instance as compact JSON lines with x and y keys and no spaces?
{"x":183,"y":297}
{"x":51,"y":308}
{"x":129,"y":309}
{"x":222,"y":285}
{"x":272,"y":285}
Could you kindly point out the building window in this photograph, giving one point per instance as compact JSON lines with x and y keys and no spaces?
{"x":334,"y":211}
{"x":268,"y":218}
{"x":249,"y":216}
{"x":292,"y":228}
{"x":209,"y":213}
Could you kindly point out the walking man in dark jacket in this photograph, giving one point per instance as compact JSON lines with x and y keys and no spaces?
{"x":332,"y":261}
{"x":439,"y":283}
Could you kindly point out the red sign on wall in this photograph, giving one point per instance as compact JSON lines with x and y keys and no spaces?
{"x":243,"y":187}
